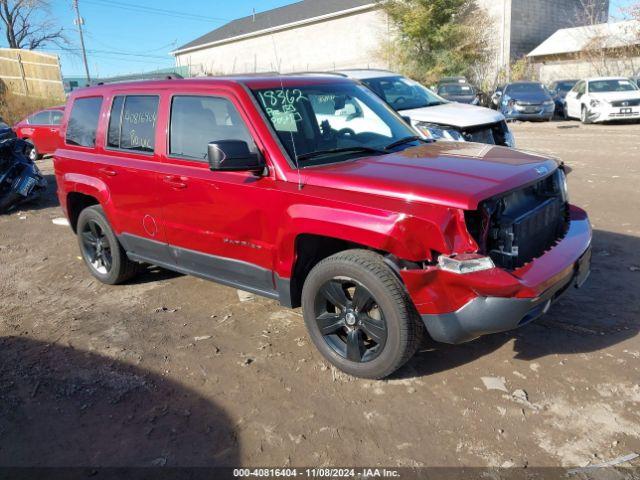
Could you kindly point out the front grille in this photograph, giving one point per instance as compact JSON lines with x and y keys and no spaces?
{"x":517,"y":228}
{"x":626,"y":103}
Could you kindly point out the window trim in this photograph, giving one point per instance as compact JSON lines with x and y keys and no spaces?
{"x":51,"y":124}
{"x":186,"y":158}
{"x":124,"y":103}
{"x":66,"y":130}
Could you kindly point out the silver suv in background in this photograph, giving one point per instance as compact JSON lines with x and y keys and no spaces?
{"x":432,"y":115}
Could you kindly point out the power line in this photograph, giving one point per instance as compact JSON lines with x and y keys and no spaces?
{"x":163,"y":47}
{"x":155,"y":11}
{"x":112,"y":52}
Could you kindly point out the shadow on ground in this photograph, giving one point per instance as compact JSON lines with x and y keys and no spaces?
{"x":64,"y":407}
{"x":605,"y":312}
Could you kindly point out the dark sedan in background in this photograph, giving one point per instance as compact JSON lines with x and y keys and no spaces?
{"x":526,"y":101}
{"x":558,"y":91}
{"x":458,"y":92}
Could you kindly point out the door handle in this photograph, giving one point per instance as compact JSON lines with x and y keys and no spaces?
{"x":108,"y":172}
{"x":175,"y":182}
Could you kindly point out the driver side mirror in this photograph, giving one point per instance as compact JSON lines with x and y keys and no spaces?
{"x":233,"y":156}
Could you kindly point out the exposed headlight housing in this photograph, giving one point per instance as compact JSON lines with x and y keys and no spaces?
{"x":465,"y":263}
{"x":562,"y":184}
{"x":437,"y":132}
{"x":595,"y":103}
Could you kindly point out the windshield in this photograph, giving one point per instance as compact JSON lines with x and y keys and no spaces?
{"x":455,"y":89}
{"x":565,"y":87}
{"x":402,"y":93}
{"x":618,"y":85}
{"x":516,"y":88}
{"x":328,"y":123}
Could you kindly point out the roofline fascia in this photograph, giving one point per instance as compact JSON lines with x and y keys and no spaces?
{"x":306,"y":21}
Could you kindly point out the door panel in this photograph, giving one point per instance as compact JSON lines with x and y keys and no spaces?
{"x":218,"y":224}
{"x":130,"y":169}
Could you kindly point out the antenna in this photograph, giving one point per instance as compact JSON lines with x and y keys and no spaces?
{"x":293,"y":143}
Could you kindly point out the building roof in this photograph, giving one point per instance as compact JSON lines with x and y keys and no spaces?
{"x":574,"y":40}
{"x":302,"y":12}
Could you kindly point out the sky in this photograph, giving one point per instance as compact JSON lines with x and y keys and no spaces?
{"x":129,"y":36}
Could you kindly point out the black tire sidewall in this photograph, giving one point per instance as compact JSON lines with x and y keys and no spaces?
{"x":395,"y":316}
{"x":96,"y":214}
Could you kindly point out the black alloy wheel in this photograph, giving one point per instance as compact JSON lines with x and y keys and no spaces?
{"x":101,"y":250}
{"x":350,"y":320}
{"x":96,"y":247}
{"x":359,"y":315}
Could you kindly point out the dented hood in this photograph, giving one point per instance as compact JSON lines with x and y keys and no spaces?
{"x":454,"y":114}
{"x":459,"y":175}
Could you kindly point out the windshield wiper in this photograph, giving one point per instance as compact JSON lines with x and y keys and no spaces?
{"x":322,"y":153}
{"x":402,"y":141}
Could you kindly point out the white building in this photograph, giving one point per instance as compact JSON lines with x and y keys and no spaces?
{"x":320,"y":35}
{"x":592,"y":51}
{"x":313,"y":35}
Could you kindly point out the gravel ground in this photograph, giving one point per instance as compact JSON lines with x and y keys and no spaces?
{"x":173,"y":370}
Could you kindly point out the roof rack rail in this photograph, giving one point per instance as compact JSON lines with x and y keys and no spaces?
{"x":246,"y":74}
{"x":311,"y":72}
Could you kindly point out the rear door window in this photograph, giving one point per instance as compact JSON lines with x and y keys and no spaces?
{"x":83,"y":122}
{"x":197,"y":121}
{"x":132,"y":124}
{"x":40,"y":118}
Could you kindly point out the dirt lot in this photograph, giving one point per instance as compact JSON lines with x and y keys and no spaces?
{"x":172,"y":370}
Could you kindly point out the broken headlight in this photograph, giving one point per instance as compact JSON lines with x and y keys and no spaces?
{"x":437,"y":132}
{"x":465,"y":263}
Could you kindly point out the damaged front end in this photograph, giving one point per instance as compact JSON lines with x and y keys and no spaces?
{"x":20,"y":178}
{"x":533,"y":245}
{"x":519,"y":226}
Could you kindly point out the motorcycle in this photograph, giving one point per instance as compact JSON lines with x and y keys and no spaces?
{"x":20,"y":178}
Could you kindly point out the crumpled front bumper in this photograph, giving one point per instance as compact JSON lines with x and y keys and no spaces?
{"x":486,"y":315}
{"x":460,"y":308}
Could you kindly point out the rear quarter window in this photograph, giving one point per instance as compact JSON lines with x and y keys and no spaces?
{"x":83,"y":122}
{"x":132,"y":124}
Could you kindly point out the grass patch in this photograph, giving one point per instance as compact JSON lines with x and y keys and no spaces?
{"x":14,"y":108}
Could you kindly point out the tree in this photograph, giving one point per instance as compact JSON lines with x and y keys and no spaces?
{"x":437,"y":38}
{"x":26,"y":24}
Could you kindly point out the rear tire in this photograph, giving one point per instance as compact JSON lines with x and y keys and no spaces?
{"x":101,"y":251}
{"x":354,"y":298}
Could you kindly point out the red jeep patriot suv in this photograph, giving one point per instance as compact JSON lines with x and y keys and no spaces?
{"x":312,"y":191}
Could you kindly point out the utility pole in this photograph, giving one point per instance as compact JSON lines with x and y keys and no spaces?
{"x":79,"y":21}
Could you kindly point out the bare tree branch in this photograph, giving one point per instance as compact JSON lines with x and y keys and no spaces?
{"x":22,"y":27}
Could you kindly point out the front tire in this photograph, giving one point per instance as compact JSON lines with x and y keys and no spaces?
{"x":359,"y":315}
{"x":102,"y":253}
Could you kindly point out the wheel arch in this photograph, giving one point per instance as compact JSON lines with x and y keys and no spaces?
{"x":78,"y":192}
{"x":76,"y":203}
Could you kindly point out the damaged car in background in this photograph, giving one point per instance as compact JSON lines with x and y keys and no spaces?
{"x":433,"y":116}
{"x":596,"y":100}
{"x":20,"y":178}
